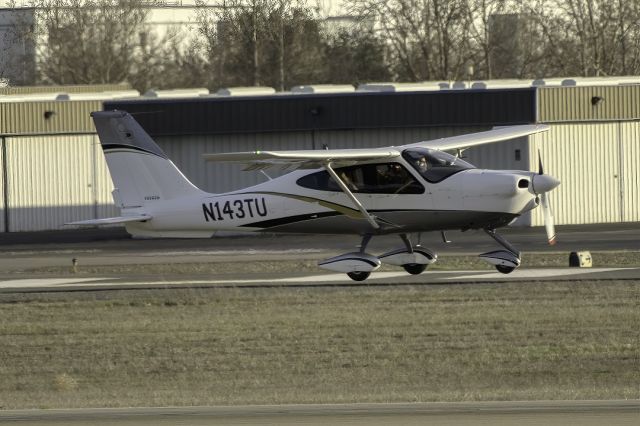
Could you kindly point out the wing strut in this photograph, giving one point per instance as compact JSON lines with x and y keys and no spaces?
{"x":345,"y":189}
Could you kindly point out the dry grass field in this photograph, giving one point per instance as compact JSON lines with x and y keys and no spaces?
{"x":545,"y":340}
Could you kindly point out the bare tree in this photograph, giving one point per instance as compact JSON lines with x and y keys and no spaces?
{"x":481,"y":12}
{"x":428,"y":39}
{"x":355,"y":56}
{"x":238,"y":26}
{"x":101,"y":41}
{"x":256,"y":42}
{"x":590,"y":22}
{"x":628,"y":37}
{"x":183,"y":65}
{"x":591,"y":37}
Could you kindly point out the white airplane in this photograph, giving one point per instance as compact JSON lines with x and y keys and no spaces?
{"x":395,"y":190}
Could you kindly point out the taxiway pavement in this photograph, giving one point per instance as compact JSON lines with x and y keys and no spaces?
{"x":584,"y":413}
{"x":113,"y":246}
{"x":266,"y":279}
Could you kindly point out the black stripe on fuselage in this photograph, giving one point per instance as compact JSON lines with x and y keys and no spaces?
{"x":289,"y":220}
{"x":111,"y":147}
{"x":466,"y":220}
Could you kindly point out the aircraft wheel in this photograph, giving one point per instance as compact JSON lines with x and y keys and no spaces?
{"x":414,"y":268}
{"x":505,"y":269}
{"x":358,"y":276}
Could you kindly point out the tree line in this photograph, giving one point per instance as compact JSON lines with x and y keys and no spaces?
{"x":282,"y":43}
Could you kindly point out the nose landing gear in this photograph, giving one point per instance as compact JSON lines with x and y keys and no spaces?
{"x":505,"y":261}
{"x":505,"y":269}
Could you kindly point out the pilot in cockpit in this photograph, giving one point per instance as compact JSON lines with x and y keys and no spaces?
{"x":422,"y":164}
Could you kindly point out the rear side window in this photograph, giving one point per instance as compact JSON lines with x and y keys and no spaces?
{"x":386,"y":178}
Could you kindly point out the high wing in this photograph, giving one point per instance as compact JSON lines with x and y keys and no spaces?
{"x":312,"y":159}
{"x":303,"y":159}
{"x":481,"y":138}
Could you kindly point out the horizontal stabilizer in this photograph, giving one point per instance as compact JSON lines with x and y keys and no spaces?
{"x":111,"y":220}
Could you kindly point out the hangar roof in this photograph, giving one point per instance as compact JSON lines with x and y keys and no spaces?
{"x":296,"y":112}
{"x":284,"y":112}
{"x":75,"y":88}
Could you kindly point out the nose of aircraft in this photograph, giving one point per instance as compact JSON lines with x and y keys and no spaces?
{"x":544,"y":183}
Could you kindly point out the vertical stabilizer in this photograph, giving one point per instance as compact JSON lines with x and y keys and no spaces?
{"x":140,"y":171}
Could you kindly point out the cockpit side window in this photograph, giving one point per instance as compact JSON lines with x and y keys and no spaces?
{"x":386,"y":178}
{"x":435,"y":166}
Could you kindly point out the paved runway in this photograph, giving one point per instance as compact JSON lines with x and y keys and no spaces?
{"x":584,"y":413}
{"x":617,"y":236}
{"x":264,"y":279}
{"x":113,"y":246}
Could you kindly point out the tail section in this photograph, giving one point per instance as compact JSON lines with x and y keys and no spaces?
{"x":140,"y":171}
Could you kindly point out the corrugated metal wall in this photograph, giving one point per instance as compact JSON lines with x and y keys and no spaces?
{"x":588,"y":103}
{"x":52,"y":180}
{"x":2,"y":187}
{"x":102,"y":183}
{"x":186,"y":153}
{"x":510,"y":155}
{"x":585,"y":157}
{"x":64,"y":117}
{"x":368,"y":138}
{"x":630,"y":141}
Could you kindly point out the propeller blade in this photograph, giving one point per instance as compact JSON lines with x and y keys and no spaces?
{"x":542,"y":184}
{"x":549,"y":225}
{"x":540,"y":169}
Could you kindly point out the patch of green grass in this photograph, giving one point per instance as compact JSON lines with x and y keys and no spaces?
{"x":319,"y":345}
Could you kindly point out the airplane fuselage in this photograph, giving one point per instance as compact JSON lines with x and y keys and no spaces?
{"x":469,"y":199}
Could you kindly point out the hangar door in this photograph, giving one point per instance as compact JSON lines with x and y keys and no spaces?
{"x":597,"y":165}
{"x":630,"y":150}
{"x":51,"y":180}
{"x":3,"y":211}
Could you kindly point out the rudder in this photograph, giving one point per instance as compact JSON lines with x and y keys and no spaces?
{"x":140,"y":170}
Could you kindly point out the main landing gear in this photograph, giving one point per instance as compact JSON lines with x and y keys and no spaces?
{"x":505,"y":261}
{"x":358,"y":276}
{"x":359,"y":265}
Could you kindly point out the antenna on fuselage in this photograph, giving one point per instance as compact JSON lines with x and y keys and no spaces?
{"x":265,"y":173}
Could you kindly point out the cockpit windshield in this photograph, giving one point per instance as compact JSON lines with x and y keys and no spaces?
{"x":434,"y":165}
